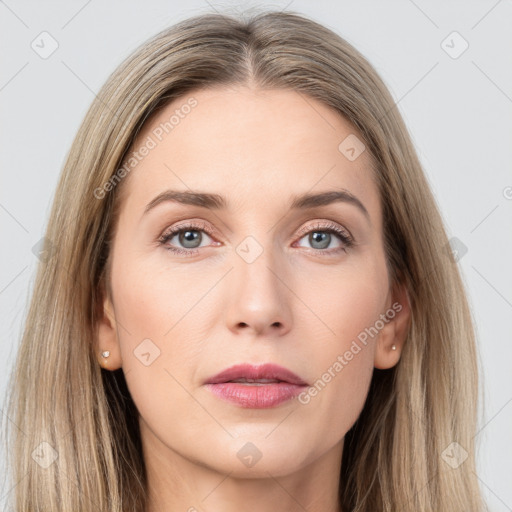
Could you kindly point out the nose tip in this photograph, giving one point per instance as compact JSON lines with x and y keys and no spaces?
{"x":258,"y":300}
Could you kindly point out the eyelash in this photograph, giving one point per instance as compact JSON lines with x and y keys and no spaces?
{"x":332,"y":228}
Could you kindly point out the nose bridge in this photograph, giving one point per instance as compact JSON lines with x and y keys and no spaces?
{"x":258,"y":297}
{"x":255,"y":265}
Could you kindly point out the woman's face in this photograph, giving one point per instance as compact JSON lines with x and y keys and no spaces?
{"x":257,"y":275}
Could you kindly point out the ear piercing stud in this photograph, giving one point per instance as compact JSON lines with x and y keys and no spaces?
{"x":105,"y":354}
{"x":393,"y":347}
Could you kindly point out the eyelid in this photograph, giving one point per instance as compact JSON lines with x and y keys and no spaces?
{"x":187,"y":224}
{"x":202,"y":225}
{"x":325,"y":225}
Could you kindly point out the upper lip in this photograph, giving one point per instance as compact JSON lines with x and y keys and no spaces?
{"x":264,"y":371}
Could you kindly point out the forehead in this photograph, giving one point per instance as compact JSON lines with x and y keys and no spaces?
{"x":256,"y":147}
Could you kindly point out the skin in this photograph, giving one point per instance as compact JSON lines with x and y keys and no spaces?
{"x":291,"y":306}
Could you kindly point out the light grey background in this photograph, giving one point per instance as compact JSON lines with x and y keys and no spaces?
{"x":458,"y":110}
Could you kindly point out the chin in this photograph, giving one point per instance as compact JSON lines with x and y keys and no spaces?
{"x":260,"y":458}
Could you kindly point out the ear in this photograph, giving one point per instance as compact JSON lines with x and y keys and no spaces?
{"x":106,"y":336}
{"x":394,"y":332}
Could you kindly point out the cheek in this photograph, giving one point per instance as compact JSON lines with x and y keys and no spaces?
{"x":345,"y":300}
{"x":154,"y":301}
{"x":349,"y":303}
{"x":344,"y":368}
{"x":161,"y":312}
{"x":159,"y":345}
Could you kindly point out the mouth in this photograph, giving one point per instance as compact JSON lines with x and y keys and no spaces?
{"x":262,"y":374}
{"x":256,"y":387}
{"x":256,"y":382}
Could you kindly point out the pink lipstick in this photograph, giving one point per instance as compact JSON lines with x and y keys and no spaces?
{"x":256,"y":387}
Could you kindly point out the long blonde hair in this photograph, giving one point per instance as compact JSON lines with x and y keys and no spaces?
{"x":59,"y":395}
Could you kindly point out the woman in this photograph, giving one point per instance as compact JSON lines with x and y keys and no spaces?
{"x":248,"y":298}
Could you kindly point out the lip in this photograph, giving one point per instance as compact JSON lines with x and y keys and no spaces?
{"x":262,"y":371}
{"x":253,"y":394}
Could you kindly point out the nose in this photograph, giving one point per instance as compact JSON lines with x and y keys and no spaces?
{"x":258,"y":297}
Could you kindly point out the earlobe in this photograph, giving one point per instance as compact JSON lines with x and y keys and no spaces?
{"x":105,"y":354}
{"x":106,"y":345}
{"x":393,"y":335}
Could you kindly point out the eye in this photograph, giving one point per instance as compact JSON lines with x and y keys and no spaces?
{"x":320,"y":237}
{"x":189,"y":236}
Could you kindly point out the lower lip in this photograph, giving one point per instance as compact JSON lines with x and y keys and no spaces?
{"x":253,"y":396}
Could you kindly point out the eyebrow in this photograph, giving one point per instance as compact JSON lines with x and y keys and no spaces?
{"x":218,"y":202}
